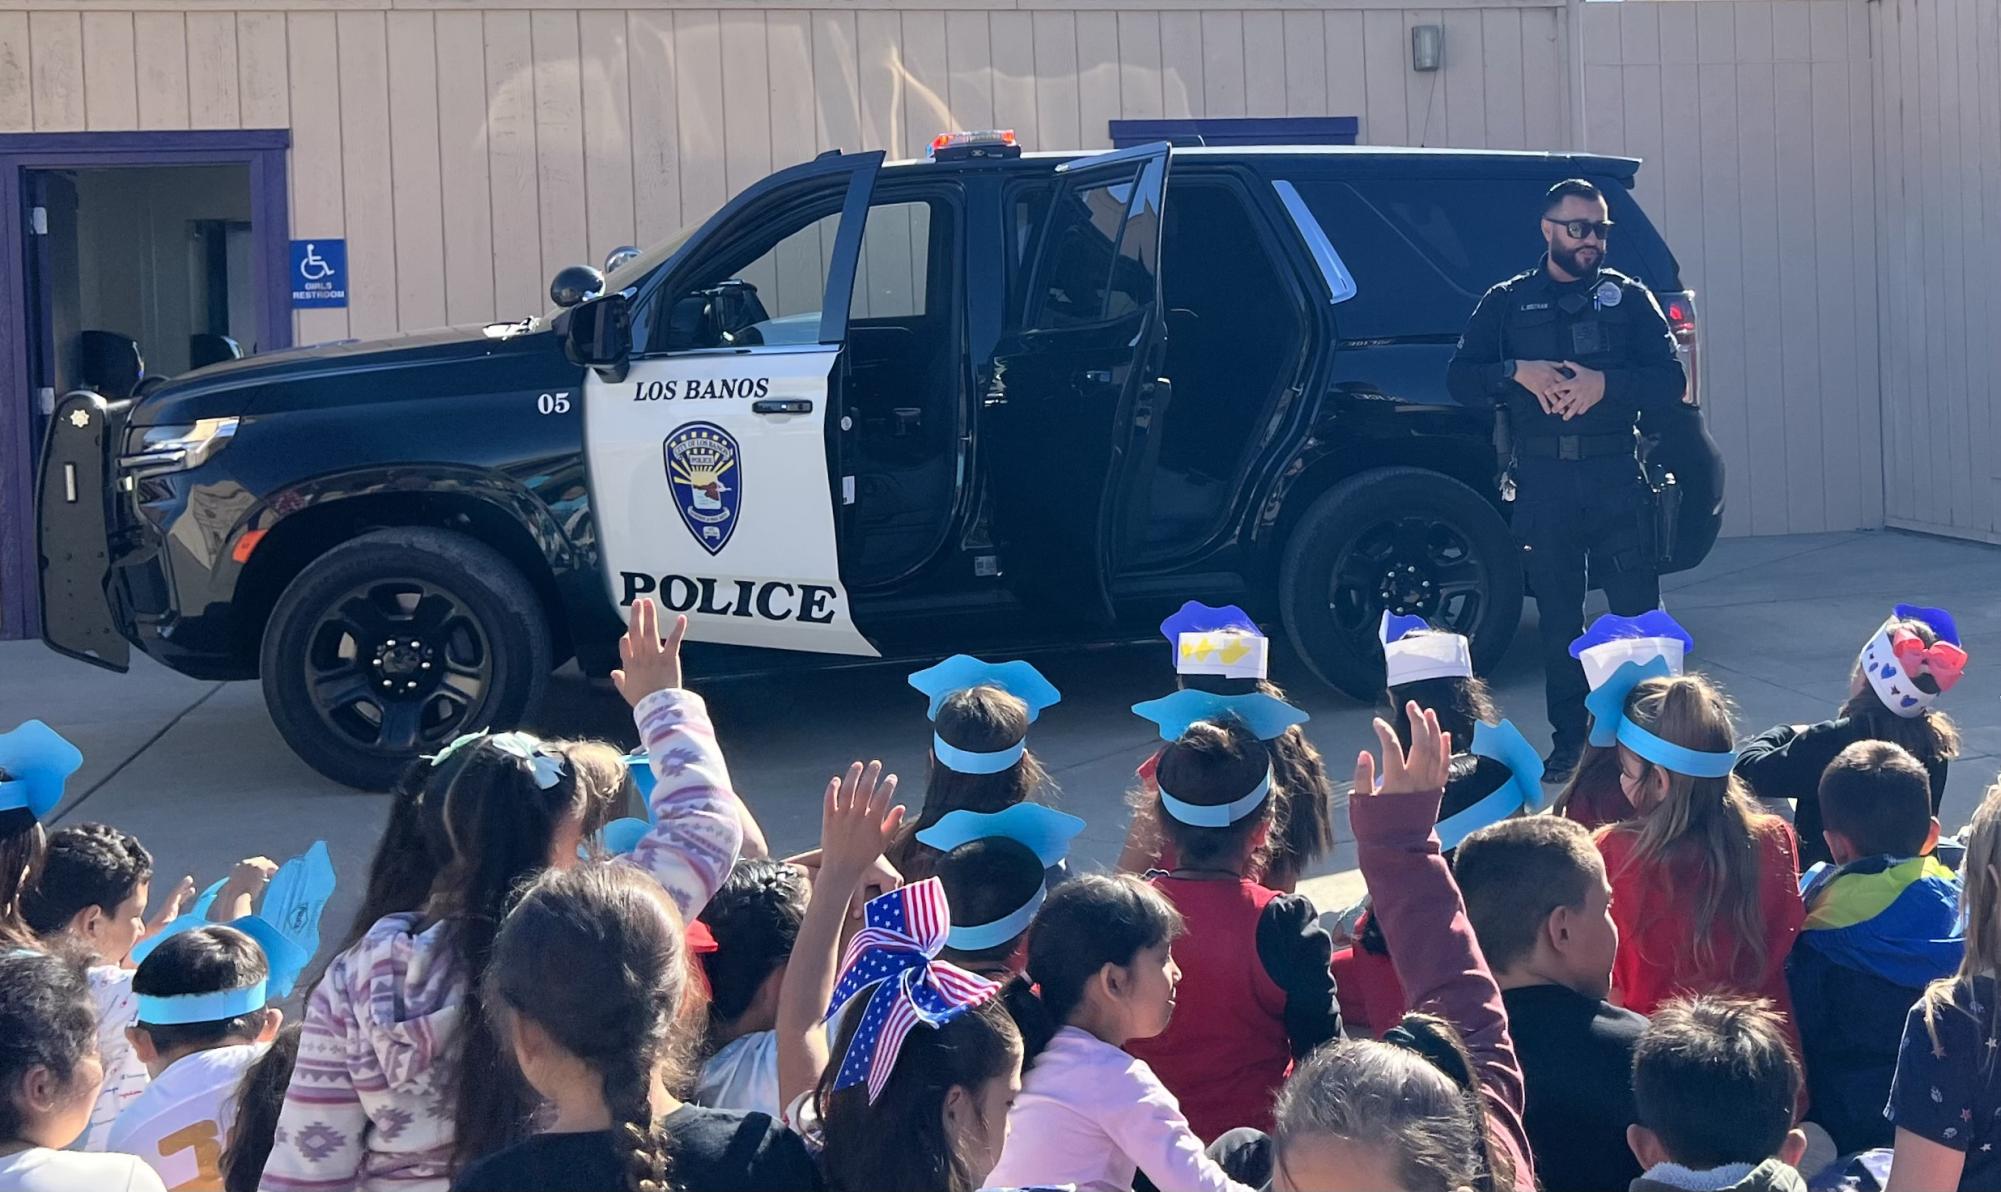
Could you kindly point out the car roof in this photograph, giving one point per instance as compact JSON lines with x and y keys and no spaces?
{"x":1362,"y":158}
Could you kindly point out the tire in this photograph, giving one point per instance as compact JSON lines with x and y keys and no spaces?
{"x":390,"y":645}
{"x":1435,"y":545}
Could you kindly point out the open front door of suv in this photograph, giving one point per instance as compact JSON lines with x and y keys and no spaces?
{"x":1076,"y":388}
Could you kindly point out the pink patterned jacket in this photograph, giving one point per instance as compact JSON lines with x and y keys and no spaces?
{"x":369,"y":1108}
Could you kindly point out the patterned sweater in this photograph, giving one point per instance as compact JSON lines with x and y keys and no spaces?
{"x":369,"y":1104}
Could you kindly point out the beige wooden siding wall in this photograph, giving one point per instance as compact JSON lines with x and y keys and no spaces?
{"x":1756,"y":122}
{"x":1938,"y":177}
{"x":468,"y":152}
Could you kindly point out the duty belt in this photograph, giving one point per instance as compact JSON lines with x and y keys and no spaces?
{"x":1575,"y":446}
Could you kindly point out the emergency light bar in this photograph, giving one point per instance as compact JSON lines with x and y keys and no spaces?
{"x":961,"y":146}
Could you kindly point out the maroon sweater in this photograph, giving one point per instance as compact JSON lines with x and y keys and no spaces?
{"x":1436,"y":955}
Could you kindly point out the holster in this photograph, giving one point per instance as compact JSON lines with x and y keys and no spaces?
{"x":1660,"y":513}
{"x":1504,"y":453}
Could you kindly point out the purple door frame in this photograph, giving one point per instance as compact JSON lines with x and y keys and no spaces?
{"x":263,"y":150}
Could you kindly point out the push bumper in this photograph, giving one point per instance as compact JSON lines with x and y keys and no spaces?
{"x":82,"y":616}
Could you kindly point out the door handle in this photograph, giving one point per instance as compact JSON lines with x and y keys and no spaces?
{"x":782,"y":405}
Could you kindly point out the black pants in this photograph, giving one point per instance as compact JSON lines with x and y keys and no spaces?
{"x":1569,"y":513}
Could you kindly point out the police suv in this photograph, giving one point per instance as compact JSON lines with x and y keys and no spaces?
{"x":988,"y":401}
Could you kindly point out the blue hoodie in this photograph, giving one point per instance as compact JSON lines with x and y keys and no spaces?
{"x":1878,"y":930}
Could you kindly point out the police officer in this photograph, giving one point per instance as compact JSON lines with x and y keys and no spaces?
{"x":1573,"y":352}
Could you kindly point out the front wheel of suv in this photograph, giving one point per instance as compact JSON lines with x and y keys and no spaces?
{"x":1408,"y":540}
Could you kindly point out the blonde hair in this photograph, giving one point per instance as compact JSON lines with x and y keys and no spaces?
{"x":1712,"y":822}
{"x":1980,"y":903}
{"x":605,"y":789}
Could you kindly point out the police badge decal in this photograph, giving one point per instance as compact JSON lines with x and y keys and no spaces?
{"x":707,"y":484}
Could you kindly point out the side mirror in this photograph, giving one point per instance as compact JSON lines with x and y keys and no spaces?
{"x":598,"y":334}
{"x":575,"y":284}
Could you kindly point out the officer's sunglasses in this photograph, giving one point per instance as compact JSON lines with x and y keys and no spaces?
{"x":1578,"y":229}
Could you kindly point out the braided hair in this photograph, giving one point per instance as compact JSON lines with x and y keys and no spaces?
{"x":593,"y":956}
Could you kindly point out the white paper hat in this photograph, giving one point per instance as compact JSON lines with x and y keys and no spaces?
{"x":1613,"y":641}
{"x":1410,"y":656}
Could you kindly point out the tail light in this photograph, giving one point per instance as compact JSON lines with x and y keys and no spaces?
{"x":1680,"y":310}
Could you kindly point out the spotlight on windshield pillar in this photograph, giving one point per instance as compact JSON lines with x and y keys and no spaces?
{"x":619,"y":256}
{"x":574,"y":284}
{"x":1427,"y":47}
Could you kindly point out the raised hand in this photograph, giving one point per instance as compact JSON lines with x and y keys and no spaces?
{"x":170,"y":906}
{"x":1421,"y":771}
{"x":857,"y":822}
{"x":651,"y":664}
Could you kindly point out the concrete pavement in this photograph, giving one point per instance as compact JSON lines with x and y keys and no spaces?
{"x":199,"y":774}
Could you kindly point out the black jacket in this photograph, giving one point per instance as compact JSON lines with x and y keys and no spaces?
{"x":1608,"y":322}
{"x":1786,"y":762}
{"x":1576,"y":1054}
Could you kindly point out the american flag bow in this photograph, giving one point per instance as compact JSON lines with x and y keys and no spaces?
{"x":895,"y":952}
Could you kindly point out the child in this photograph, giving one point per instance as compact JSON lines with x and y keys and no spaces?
{"x":1705,"y":888}
{"x":402,"y":1076}
{"x":1256,"y":993}
{"x":919,"y":1108}
{"x":1714,"y":1085}
{"x":1592,"y":795}
{"x":202,"y":1022}
{"x":590,"y":971}
{"x":1537,"y":895}
{"x":1438,"y":1103}
{"x":1099,"y":973}
{"x":1946,"y":1099}
{"x":259,"y":1098}
{"x":413,"y":848}
{"x":755,"y":920}
{"x":35,"y":763}
{"x":1912,"y":660}
{"x":1882,"y":923}
{"x":980,"y":713}
{"x":48,"y":1080}
{"x":996,"y":868}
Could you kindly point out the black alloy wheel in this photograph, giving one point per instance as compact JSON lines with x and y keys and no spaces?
{"x":396,"y":665}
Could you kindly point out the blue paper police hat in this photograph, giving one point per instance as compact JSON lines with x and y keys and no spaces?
{"x":1224,"y":641}
{"x":1608,"y":704}
{"x":1610,"y":724}
{"x":287,"y":924}
{"x":1941,"y":621}
{"x":37,"y":762}
{"x":963,"y":671}
{"x":1505,"y":744}
{"x":1045,"y":831}
{"x":1265,"y":716}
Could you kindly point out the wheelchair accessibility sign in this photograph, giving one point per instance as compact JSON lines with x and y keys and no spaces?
{"x":319,"y":273}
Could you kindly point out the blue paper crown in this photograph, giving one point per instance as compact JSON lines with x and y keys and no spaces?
{"x":1395,"y":627}
{"x":1505,"y":744}
{"x":286,"y":926}
{"x":37,"y":762}
{"x":1941,"y":621}
{"x":1045,"y":831}
{"x":1265,"y":716}
{"x":1197,"y":617}
{"x":1611,"y":628}
{"x":963,"y":671}
{"x":1610,"y":725}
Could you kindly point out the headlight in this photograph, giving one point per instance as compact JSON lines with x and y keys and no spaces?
{"x":157,"y":450}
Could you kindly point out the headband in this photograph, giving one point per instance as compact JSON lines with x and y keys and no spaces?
{"x":1215,"y":815}
{"x":1410,"y":656}
{"x":286,"y":927}
{"x":1043,"y":831}
{"x":979,"y":936}
{"x":1906,"y":674}
{"x":1217,"y":641}
{"x":545,"y":764}
{"x":1613,"y":640}
{"x":1522,"y":791}
{"x":1265,"y":716}
{"x":1610,"y":725}
{"x":183,"y":1008}
{"x":896,"y":953}
{"x":37,"y":762}
{"x":962,"y":672}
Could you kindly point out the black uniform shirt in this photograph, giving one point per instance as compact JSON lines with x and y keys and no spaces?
{"x":1607,"y":322}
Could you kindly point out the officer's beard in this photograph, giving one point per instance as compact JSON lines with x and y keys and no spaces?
{"x":1567,"y":260}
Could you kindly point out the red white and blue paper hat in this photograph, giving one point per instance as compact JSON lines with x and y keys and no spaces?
{"x":1411,"y":656}
{"x":37,"y":762}
{"x":1613,"y":640}
{"x":1906,"y":674}
{"x":286,"y":925}
{"x":1209,"y":640}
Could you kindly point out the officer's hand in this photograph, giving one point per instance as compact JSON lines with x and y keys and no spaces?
{"x":650,"y":664}
{"x":1541,"y":378}
{"x":1580,"y":393}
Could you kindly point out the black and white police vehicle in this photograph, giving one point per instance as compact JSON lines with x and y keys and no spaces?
{"x":986,"y":402}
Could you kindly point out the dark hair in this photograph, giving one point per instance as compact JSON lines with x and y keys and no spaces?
{"x":594,"y":957}
{"x":1302,"y":813}
{"x":501,"y":827}
{"x":1516,"y":873}
{"x":205,"y":960}
{"x":1461,"y":704}
{"x":899,"y":1143}
{"x":1715,"y":1080}
{"x":1416,"y":1095}
{"x":1087,"y":923}
{"x":260,"y":1095}
{"x":1930,"y":736}
{"x":414,"y":847}
{"x":1593,"y":795}
{"x":1210,"y":765}
{"x":84,"y":865}
{"x":983,"y":720}
{"x":47,"y":1020}
{"x":985,"y":880}
{"x":1880,"y":797}
{"x":1570,"y":188}
{"x":21,"y":849}
{"x":755,"y":918}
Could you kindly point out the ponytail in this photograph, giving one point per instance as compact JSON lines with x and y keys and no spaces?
{"x":1038,"y":1026}
{"x":1438,"y":1043}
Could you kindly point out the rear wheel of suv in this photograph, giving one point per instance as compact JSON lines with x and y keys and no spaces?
{"x":392,"y":644}
{"x":1404,"y":539}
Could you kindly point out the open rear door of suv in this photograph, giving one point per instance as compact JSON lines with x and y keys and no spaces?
{"x":1075,"y":387}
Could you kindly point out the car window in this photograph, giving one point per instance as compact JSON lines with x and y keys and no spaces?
{"x":1090,"y":275}
{"x":893,"y":274}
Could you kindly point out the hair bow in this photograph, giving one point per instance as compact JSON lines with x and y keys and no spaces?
{"x":36,"y":763}
{"x":1217,"y":641}
{"x":1613,"y":640}
{"x":1906,"y":674}
{"x":544,"y":763}
{"x":1266,"y":716}
{"x":896,"y":953}
{"x":1505,"y":744}
{"x":286,"y":925}
{"x":1610,"y":725}
{"x":1411,"y":656}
